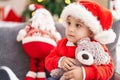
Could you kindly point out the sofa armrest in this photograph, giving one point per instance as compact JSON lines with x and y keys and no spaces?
{"x":116,"y":76}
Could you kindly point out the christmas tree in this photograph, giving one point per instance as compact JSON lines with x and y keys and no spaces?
{"x":54,"y":6}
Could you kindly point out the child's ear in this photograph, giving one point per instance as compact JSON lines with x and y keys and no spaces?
{"x":91,"y":34}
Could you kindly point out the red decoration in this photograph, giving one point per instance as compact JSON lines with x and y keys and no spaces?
{"x":12,"y":17}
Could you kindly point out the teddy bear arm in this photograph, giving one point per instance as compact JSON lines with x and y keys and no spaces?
{"x":57,"y":73}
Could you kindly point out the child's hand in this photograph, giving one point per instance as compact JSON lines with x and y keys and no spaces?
{"x":66,"y":63}
{"x":75,"y":73}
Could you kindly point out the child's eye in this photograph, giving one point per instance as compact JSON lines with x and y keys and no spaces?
{"x":68,"y":23}
{"x":78,"y":25}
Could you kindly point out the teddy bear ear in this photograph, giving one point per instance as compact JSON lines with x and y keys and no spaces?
{"x":84,"y":40}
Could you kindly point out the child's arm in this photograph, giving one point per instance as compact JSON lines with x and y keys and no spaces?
{"x":54,"y":59}
{"x":102,"y":72}
{"x":58,"y":57}
{"x":51,"y":60}
{"x":67,"y":63}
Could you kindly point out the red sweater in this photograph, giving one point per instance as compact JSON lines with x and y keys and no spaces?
{"x":102,"y":72}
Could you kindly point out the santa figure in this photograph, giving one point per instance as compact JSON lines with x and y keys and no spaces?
{"x":39,"y":37}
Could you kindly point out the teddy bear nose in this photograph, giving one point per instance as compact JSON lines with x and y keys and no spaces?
{"x":85,"y":56}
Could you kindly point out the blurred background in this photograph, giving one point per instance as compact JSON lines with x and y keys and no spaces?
{"x":18,"y":11}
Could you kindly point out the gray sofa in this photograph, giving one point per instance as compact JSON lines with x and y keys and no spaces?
{"x":11,"y":52}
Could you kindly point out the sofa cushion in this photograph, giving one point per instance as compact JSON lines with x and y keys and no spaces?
{"x":11,"y":52}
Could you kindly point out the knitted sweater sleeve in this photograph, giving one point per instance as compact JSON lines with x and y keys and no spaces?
{"x":102,"y":72}
{"x":51,"y":61}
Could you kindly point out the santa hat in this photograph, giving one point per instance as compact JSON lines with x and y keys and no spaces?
{"x":33,"y":7}
{"x":97,"y":18}
{"x":43,"y":19}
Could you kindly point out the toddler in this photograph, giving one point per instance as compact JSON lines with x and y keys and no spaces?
{"x":82,"y":19}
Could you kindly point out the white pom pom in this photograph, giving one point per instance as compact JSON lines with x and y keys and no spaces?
{"x":21,"y":35}
{"x":106,"y":37}
{"x":32,"y":7}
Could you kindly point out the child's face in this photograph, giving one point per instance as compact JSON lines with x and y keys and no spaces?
{"x":76,"y":29}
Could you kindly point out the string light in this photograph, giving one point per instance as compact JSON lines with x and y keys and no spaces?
{"x":67,"y":1}
{"x":39,"y":0}
{"x":33,"y":13}
{"x":60,"y":20}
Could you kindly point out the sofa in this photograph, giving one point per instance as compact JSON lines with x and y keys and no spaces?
{"x":12,"y":53}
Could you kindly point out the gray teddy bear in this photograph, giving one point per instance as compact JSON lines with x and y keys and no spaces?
{"x":87,"y":53}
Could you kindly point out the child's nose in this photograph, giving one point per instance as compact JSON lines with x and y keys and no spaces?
{"x":71,"y":28}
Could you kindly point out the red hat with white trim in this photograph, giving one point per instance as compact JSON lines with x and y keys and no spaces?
{"x":96,"y":17}
{"x":33,"y":7}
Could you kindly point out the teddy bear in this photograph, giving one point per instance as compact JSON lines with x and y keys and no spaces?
{"x":87,"y":53}
{"x":38,"y":38}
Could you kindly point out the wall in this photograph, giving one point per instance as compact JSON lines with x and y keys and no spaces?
{"x":104,"y":3}
{"x":17,"y":5}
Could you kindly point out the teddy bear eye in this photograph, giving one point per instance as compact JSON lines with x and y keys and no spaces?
{"x":93,"y":57}
{"x":83,"y":49}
